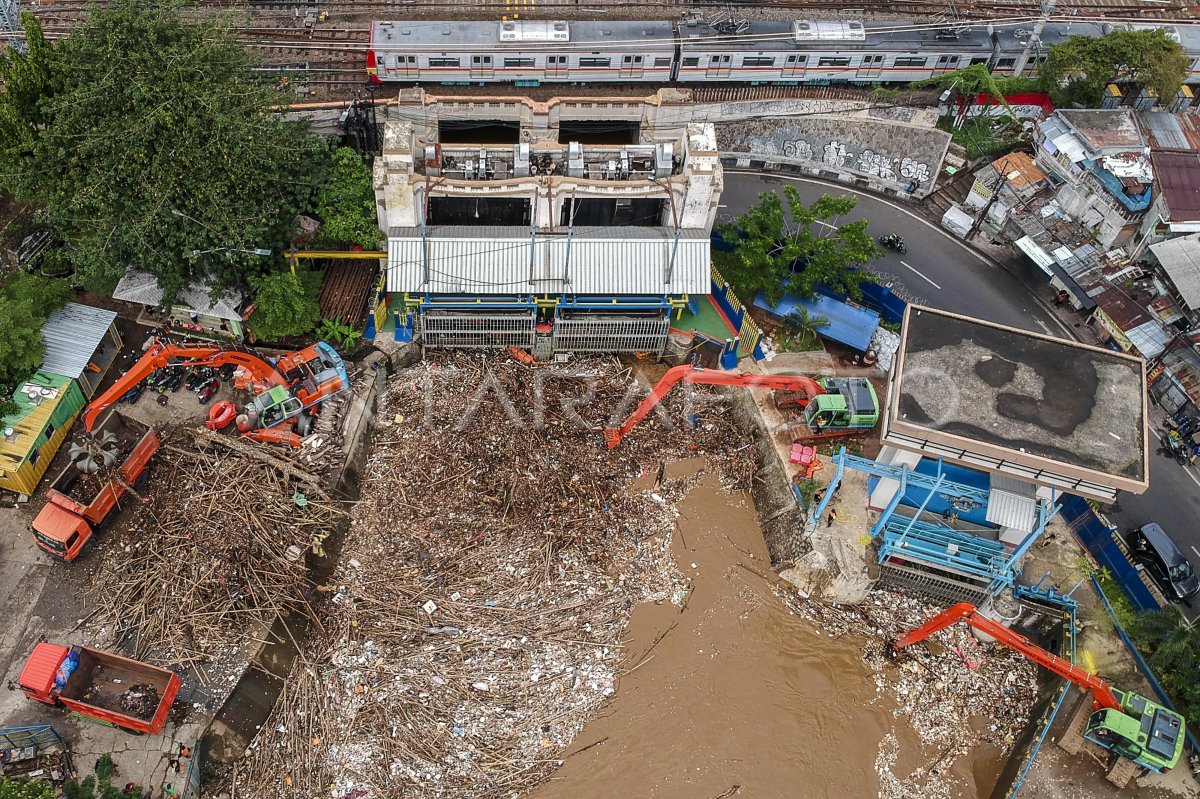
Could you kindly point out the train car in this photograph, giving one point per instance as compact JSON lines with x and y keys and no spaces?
{"x":1019,"y":53}
{"x":808,"y":51}
{"x":521,"y":52}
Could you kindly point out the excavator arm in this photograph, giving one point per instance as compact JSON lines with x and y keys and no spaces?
{"x":159,"y":355}
{"x":966,"y":612}
{"x":711,"y":377}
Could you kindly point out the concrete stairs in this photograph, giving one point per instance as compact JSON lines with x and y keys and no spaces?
{"x":952,"y":191}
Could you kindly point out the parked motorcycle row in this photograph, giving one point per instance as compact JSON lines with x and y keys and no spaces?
{"x":203,"y":381}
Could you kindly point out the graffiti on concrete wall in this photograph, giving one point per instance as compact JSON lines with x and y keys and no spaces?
{"x":902,"y":154}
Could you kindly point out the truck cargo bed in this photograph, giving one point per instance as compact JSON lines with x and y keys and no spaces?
{"x":83,"y":487}
{"x":118,"y":685}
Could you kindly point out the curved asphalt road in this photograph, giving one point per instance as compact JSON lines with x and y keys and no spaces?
{"x":940,"y":271}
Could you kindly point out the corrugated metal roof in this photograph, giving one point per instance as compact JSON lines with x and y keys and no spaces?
{"x":504,"y":260}
{"x":1167,"y":131}
{"x":142,"y":288}
{"x":1179,"y":178}
{"x":72,"y":336}
{"x":1011,"y":503}
{"x":1150,"y":339}
{"x":1180,"y":259}
{"x":1039,"y":256}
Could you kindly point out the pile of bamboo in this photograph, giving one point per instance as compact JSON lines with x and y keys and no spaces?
{"x":216,"y":547}
{"x":475,"y":619}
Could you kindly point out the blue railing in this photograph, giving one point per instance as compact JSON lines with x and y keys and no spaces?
{"x":41,"y":736}
{"x":942,"y":547}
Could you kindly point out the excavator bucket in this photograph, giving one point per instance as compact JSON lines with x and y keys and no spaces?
{"x":612,"y":437}
{"x":274,"y":435}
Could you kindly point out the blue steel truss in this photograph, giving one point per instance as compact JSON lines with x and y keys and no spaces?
{"x":929,"y":541}
{"x":41,"y":736}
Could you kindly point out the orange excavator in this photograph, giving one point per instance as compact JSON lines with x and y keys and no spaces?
{"x":296,"y":383}
{"x":832,"y":406}
{"x":1124,"y":723}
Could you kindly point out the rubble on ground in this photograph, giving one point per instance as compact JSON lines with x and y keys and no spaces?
{"x":214,"y":547}
{"x":474,"y":621}
{"x":885,"y":344}
{"x":965,"y":694}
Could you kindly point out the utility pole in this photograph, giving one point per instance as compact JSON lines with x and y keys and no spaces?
{"x":1000,"y":183}
{"x":10,"y":24}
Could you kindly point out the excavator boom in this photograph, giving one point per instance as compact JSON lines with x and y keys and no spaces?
{"x":159,"y":355}
{"x":966,"y":612}
{"x":711,"y":377}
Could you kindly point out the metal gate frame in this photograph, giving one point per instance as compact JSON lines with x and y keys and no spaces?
{"x":608,"y":334}
{"x":443,"y":330}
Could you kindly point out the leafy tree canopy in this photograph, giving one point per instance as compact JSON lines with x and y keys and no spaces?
{"x":151,"y":137}
{"x":1077,"y":70}
{"x":781,"y":257}
{"x":25,"y":789}
{"x":975,"y":80}
{"x":285,"y":305}
{"x":25,"y":302}
{"x":346,"y":203}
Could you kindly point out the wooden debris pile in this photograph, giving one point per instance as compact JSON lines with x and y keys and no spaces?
{"x":475,"y":619}
{"x":216,"y":546}
{"x":967,"y":694}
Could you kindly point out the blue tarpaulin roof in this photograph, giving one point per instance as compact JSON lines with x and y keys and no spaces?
{"x":848,"y":324}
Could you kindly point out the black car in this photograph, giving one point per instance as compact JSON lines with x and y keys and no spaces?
{"x":1151,"y":547}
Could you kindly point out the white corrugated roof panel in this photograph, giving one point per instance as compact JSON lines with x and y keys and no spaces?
{"x":1012,"y":503}
{"x":497,"y":260}
{"x":72,"y":336}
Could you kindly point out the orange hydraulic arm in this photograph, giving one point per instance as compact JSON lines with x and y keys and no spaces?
{"x":965,"y":611}
{"x":160,"y":355}
{"x":710,"y":377}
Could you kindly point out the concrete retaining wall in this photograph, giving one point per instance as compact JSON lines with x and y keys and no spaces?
{"x":878,"y":155}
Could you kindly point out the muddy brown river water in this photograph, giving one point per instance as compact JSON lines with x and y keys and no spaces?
{"x":734,"y":696}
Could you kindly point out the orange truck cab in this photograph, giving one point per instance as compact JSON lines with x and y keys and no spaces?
{"x":105,"y":688}
{"x":65,"y":525}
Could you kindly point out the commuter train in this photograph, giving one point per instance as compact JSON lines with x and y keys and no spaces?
{"x":527,"y":53}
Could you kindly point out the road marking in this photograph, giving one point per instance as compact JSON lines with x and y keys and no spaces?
{"x":907,"y":211}
{"x":1197,"y":551}
{"x":1042,"y":325}
{"x":918,"y":274}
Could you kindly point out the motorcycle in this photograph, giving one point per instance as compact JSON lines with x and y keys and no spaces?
{"x":1174,"y":446}
{"x":208,"y":390}
{"x":893,"y":242}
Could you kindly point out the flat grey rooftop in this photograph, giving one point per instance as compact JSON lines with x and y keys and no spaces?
{"x":1040,"y":402}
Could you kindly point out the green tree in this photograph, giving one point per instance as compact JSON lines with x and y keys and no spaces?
{"x":778,"y":256}
{"x":26,"y":79}
{"x":975,"y":80}
{"x":807,"y":327}
{"x":156,"y":138}
{"x":25,"y":302}
{"x":346,"y":203}
{"x":1077,"y":70}
{"x":25,"y":789}
{"x":99,"y":785}
{"x":285,"y":306}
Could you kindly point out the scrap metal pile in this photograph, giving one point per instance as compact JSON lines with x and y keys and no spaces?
{"x":214,"y":546}
{"x":475,"y":617}
{"x":966,"y":694}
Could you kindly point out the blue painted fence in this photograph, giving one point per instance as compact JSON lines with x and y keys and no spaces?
{"x":1100,"y":540}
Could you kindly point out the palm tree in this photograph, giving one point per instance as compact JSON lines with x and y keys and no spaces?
{"x":807,"y":326}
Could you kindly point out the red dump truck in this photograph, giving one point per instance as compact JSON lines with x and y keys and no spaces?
{"x":77,"y":502}
{"x":110,"y":689}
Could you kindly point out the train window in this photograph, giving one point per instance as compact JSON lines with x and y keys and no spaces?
{"x":406,"y":59}
{"x":833,"y":62}
{"x":560,"y":60}
{"x":1006,"y":63}
{"x":691,"y":62}
{"x":975,"y":61}
{"x":756,"y":61}
{"x":593,"y":62}
{"x":486,"y":60}
{"x":910,"y":62}
{"x":443,"y":62}
{"x":631,"y":59}
{"x":947,"y":59}
{"x":518,"y":62}
{"x":797,"y":59}
{"x":662,"y":62}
